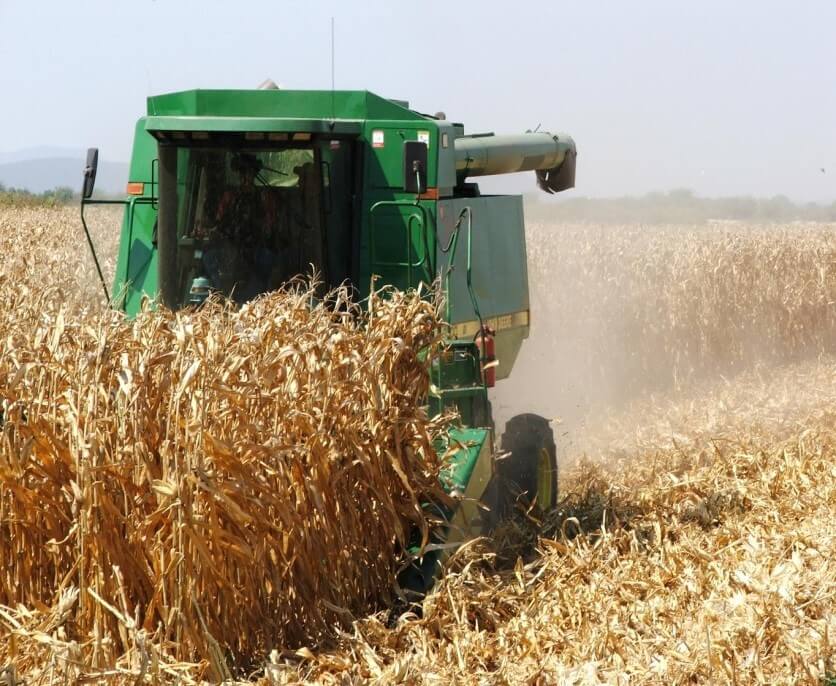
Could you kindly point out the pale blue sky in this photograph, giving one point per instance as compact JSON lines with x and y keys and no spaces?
{"x":720,"y":97}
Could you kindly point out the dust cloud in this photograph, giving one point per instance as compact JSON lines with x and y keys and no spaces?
{"x":625,"y":314}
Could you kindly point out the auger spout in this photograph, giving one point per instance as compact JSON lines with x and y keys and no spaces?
{"x":551,"y":156}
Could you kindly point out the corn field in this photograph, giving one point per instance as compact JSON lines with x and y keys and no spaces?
{"x":621,"y":311}
{"x":227,"y":495}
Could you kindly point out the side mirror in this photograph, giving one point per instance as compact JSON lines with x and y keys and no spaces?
{"x":90,"y":173}
{"x":415,"y":167}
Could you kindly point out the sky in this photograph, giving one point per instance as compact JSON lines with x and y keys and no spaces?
{"x":724,"y":98}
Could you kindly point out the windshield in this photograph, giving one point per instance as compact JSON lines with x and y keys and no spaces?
{"x":239,"y":222}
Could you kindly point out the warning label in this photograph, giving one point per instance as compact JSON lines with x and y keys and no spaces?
{"x":424,"y":137}
{"x":377,"y":139}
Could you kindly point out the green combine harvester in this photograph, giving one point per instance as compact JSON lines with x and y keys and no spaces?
{"x":238,"y":191}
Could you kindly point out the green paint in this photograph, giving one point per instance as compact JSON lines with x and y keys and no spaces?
{"x":136,"y":266}
{"x":469,"y":442}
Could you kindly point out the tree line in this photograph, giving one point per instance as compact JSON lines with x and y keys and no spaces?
{"x":678,"y":206}
{"x":61,"y":195}
{"x":675,"y":206}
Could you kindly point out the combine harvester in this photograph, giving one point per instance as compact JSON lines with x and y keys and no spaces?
{"x":238,"y":191}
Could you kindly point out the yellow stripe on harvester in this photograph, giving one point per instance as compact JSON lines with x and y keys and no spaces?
{"x":498,"y":323}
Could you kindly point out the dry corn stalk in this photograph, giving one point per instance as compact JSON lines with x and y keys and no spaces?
{"x":223,"y":481}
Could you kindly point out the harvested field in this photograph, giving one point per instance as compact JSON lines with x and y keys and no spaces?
{"x":694,"y":541}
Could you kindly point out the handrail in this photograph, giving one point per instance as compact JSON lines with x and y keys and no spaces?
{"x":451,"y":247}
{"x":426,"y":259}
{"x":130,"y":204}
{"x":84,"y":203}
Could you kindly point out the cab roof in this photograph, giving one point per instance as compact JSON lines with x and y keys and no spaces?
{"x":272,"y":110}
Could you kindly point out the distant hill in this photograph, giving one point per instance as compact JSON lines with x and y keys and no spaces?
{"x":42,"y":169}
{"x":40,"y":152}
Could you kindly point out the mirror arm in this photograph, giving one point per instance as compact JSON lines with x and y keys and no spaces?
{"x":93,"y":252}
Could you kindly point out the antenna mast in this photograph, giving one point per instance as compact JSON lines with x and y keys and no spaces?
{"x":333,"y":111}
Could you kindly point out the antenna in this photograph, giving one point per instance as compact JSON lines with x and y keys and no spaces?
{"x":150,"y":90}
{"x":333,"y":111}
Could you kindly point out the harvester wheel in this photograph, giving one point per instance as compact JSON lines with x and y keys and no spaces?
{"x":527,"y":474}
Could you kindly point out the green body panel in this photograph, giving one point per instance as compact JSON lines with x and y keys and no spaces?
{"x":499,"y":272}
{"x":385,"y":163}
{"x":145,"y":150}
{"x":467,"y":474}
{"x":136,"y":270}
{"x":399,"y":249}
{"x":247,"y":105}
{"x":136,"y":265}
{"x":176,"y":124}
{"x":464,"y":462}
{"x":446,"y":151}
{"x":498,"y":256}
{"x":456,"y":383}
{"x":397,"y":241}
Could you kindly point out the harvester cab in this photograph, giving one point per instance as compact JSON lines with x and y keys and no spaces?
{"x":237,"y":191}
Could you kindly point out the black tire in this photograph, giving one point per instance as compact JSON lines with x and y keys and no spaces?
{"x":526,"y":468}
